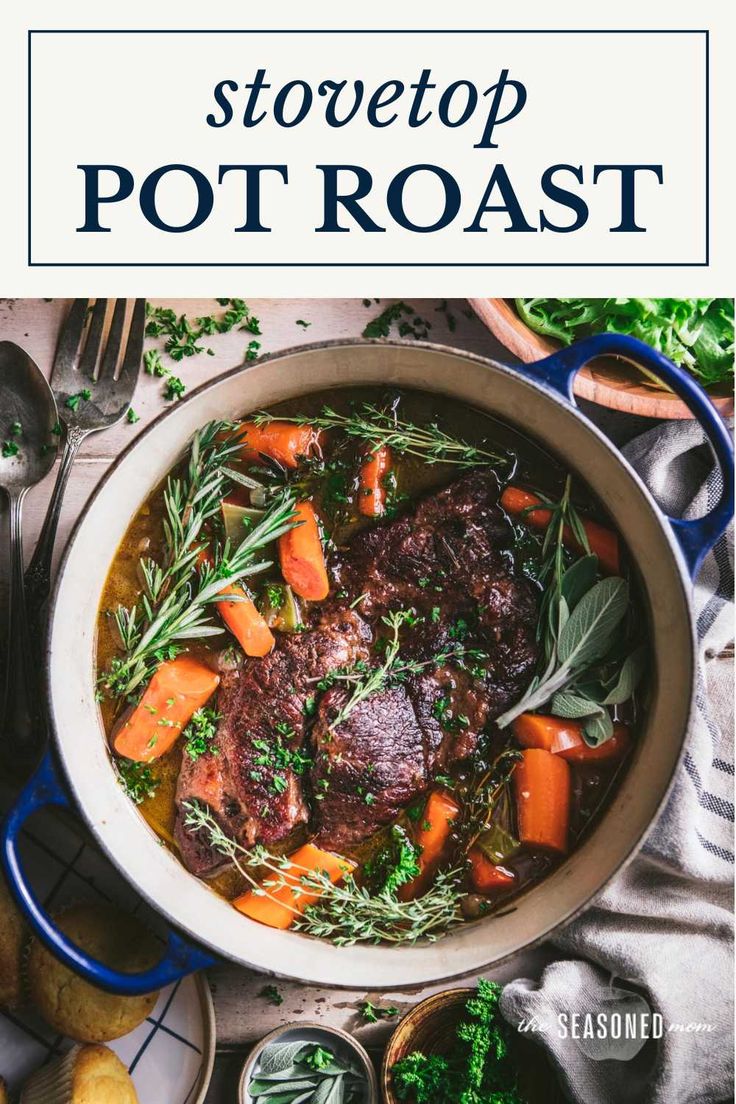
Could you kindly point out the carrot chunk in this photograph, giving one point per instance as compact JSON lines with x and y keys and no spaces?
{"x":603,"y":542}
{"x":281,"y":907}
{"x":178,"y":688}
{"x":485,"y":875}
{"x":542,"y":790}
{"x":431,"y":836}
{"x":565,"y":738}
{"x":245,"y":622}
{"x":285,"y":442}
{"x":301,"y":556}
{"x":372,"y":492}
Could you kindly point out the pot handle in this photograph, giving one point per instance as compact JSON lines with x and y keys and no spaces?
{"x":695,"y":537}
{"x":180,"y":957}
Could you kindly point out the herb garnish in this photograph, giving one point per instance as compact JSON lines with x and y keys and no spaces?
{"x":137,"y":779}
{"x":304,"y":1073}
{"x":379,"y":427}
{"x":200,"y":732}
{"x":271,"y":994}
{"x":364,"y":681}
{"x":584,"y":666}
{"x":403,"y":316}
{"x":178,"y":594}
{"x":372,"y":1013}
{"x":478,"y":1069}
{"x":73,"y":401}
{"x":346,"y":912}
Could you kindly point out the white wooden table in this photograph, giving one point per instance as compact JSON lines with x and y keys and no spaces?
{"x":243,"y":1015}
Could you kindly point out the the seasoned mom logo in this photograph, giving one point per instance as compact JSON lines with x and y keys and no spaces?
{"x":617,"y":1029}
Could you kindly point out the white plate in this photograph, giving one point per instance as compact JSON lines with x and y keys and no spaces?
{"x":170,"y":1055}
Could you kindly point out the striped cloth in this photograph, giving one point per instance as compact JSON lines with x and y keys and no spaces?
{"x":665,"y":924}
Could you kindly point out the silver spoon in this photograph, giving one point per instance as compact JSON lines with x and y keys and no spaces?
{"x":28,"y":447}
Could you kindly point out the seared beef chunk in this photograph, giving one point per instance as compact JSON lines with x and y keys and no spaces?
{"x":368,"y":768}
{"x":251,"y":778}
{"x":449,"y":561}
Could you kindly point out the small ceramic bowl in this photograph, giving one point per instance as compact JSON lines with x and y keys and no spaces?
{"x":430,"y":1029}
{"x":332,"y":1038}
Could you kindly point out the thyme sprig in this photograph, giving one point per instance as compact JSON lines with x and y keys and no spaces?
{"x":364,"y":682}
{"x":346,"y":913}
{"x":484,"y":795}
{"x":384,"y":428}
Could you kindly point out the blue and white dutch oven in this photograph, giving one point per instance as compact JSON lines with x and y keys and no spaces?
{"x":537,"y":399}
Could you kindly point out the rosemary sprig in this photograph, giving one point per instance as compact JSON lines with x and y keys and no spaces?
{"x":379,"y":428}
{"x":189,"y":502}
{"x":364,"y":682}
{"x":151,"y":634}
{"x":346,"y":913}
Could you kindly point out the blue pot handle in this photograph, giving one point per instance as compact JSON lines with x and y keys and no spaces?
{"x":696,"y":537}
{"x":180,"y":957}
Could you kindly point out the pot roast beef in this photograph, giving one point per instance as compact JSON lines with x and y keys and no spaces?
{"x":280,"y":759}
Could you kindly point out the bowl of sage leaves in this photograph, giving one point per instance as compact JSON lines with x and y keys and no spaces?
{"x":308,"y":1063}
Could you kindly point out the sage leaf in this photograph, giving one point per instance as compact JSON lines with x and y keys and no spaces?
{"x":281,"y":1098}
{"x":331,"y":1091}
{"x":598,"y":729}
{"x":279,"y":1056}
{"x":291,"y":1073}
{"x":628,"y":679}
{"x":578,"y":579}
{"x":570,"y":705}
{"x":278,"y":1089}
{"x":497,"y":844}
{"x":588,"y":631}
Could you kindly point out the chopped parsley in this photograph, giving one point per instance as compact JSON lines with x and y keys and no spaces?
{"x":131,"y":416}
{"x":200,"y":732}
{"x":393,"y":865}
{"x":137,"y":779}
{"x":402,"y":315}
{"x":304,"y":325}
{"x":10,"y":448}
{"x":372,"y":1013}
{"x":183,"y":337}
{"x":174,"y":388}
{"x":73,"y":401}
{"x":271,"y":994}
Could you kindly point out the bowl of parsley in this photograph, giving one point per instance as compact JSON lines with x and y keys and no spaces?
{"x":455,"y":1045}
{"x":697,"y":334}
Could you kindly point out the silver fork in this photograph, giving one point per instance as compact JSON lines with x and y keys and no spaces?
{"x":82,"y":364}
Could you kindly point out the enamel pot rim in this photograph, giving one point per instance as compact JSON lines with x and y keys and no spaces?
{"x":157,"y":874}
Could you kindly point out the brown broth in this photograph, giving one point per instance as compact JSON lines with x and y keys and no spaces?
{"x":535,"y":467}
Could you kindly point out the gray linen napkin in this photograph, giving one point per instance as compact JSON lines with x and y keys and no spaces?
{"x":665,"y":924}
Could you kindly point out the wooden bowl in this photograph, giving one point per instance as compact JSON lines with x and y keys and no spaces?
{"x":607,"y":381}
{"x":430,"y":1028}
